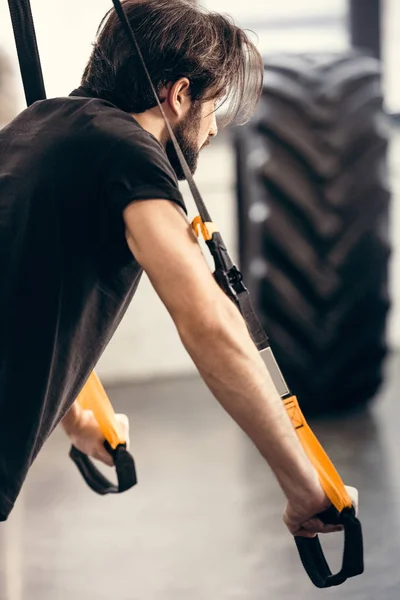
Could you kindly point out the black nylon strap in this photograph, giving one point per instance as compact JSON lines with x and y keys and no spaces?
{"x":254,"y":326}
{"x":27,"y":50}
{"x":230,"y":280}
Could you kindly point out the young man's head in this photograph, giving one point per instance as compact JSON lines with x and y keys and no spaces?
{"x":196,"y":59}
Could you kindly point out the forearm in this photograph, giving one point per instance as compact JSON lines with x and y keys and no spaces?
{"x":215,"y":335}
{"x":72,"y":418}
{"x":232,"y":368}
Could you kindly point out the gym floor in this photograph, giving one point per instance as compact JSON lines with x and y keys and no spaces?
{"x":204,"y":523}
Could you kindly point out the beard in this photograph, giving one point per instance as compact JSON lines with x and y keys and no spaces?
{"x":187,"y":134}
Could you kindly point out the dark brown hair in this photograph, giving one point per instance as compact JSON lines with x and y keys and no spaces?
{"x":177,"y":39}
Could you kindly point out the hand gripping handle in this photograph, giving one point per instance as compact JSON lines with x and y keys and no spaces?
{"x":93,"y":397}
{"x":340,"y":513}
{"x":312,"y":556}
{"x":124,"y":465}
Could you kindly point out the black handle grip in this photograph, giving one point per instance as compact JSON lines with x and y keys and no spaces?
{"x":124,"y":465}
{"x":312,"y":556}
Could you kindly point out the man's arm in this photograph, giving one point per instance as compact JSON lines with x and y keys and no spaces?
{"x":216,"y":337}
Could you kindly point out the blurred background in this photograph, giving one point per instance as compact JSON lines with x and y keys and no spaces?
{"x":306,"y":197}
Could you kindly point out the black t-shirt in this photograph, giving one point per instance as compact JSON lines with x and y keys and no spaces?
{"x":68,"y":168}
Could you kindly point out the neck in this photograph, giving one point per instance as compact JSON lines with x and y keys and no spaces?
{"x":152,"y":121}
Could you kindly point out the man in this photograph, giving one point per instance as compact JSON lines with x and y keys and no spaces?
{"x":88,"y":198}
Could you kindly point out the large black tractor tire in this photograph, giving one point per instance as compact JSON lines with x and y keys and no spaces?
{"x":313,"y":202}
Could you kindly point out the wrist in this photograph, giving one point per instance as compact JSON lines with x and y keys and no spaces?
{"x":294,"y":472}
{"x":300,"y":484}
{"x":71,"y":421}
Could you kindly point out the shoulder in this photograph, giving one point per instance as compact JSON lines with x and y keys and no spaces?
{"x":106,"y":133}
{"x":135,"y":165}
{"x":128,"y":145}
{"x":117,"y":134}
{"x":141,"y":148}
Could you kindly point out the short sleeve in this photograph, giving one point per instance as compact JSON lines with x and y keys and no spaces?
{"x":137,"y":168}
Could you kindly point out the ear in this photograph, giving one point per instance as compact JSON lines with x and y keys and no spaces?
{"x":178,"y":96}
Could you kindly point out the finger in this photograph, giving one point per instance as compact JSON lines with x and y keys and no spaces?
{"x":332,"y":529}
{"x":316,"y":526}
{"x":103,"y":456}
{"x":299,"y":529}
{"x":313,"y":526}
{"x":310,"y":531}
{"x":304,"y":533}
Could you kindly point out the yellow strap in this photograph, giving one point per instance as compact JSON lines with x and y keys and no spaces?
{"x":330,"y":479}
{"x":93,"y":397}
{"x":206,"y":228}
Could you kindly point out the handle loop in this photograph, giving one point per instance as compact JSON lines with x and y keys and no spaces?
{"x":124,"y":465}
{"x":312,"y":555}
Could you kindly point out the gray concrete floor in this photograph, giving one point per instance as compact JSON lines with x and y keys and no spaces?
{"x":205,"y":521}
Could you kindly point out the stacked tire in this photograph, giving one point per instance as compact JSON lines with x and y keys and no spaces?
{"x":313,"y":201}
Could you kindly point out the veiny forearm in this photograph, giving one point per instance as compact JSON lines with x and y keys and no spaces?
{"x":235,"y":373}
{"x":215,"y":335}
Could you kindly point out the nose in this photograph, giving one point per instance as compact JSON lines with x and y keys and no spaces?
{"x":214,"y":128}
{"x":213,"y":132}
